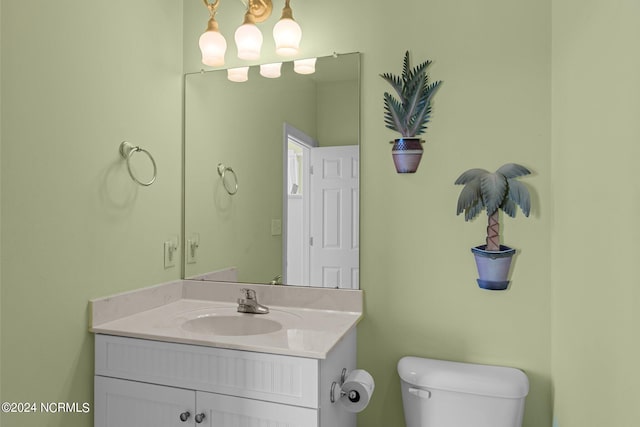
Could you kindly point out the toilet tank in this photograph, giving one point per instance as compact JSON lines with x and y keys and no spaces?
{"x":438,"y":393}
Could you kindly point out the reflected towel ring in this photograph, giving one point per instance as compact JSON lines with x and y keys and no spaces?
{"x":222,"y":171}
{"x":126,"y":151}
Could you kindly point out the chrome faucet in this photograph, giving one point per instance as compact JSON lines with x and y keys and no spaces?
{"x":249,"y":303}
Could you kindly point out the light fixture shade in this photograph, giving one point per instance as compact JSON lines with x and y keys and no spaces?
{"x":239,"y":75}
{"x":248,"y":41}
{"x":287,"y":35}
{"x":305,"y":66}
{"x":213,"y":47}
{"x":271,"y":71}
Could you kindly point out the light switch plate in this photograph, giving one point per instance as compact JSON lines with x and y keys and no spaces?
{"x":276,"y":227}
{"x":193,"y":243}
{"x":170,"y":252}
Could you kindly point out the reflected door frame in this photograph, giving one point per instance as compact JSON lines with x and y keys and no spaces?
{"x":296,"y":136}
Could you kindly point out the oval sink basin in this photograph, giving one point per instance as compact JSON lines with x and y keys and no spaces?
{"x":231,"y":325}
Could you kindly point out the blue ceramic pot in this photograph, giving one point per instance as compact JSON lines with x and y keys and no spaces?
{"x":493,"y":267}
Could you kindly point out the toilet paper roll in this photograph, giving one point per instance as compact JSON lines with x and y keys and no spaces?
{"x":358,"y":388}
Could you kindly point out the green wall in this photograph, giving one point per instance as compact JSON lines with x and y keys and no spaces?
{"x":596,"y":199}
{"x":337,"y":101}
{"x":77,"y":79}
{"x":551,"y":85}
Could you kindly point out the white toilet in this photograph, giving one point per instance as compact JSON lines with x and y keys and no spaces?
{"x":438,"y":393}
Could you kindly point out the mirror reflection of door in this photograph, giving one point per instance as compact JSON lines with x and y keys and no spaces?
{"x":296,"y":208}
{"x":322,"y":213}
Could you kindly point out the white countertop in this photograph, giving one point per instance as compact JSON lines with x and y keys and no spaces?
{"x":310,"y":329}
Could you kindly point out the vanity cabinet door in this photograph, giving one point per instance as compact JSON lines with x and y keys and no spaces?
{"x":227,"y":411}
{"x":123,"y":403}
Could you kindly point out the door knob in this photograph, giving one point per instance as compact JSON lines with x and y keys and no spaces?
{"x":185,"y":416}
{"x":199,"y":418}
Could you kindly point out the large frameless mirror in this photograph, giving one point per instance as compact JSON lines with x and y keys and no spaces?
{"x":272,"y":176}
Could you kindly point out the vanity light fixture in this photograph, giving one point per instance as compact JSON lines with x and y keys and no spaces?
{"x":239,"y":75}
{"x":212,"y":44}
{"x":271,"y":71}
{"x":305,"y":66}
{"x":287,"y":33}
{"x":248,"y":37}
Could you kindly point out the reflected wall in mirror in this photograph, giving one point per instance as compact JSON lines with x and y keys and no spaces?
{"x":293,"y":146}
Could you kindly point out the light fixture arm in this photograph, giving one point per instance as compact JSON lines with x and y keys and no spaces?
{"x":286,"y":11}
{"x":249,"y":18}
{"x":260,"y":9}
{"x":211,"y":6}
{"x":212,"y":25}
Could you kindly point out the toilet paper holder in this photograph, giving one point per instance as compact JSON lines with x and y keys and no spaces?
{"x":336,"y":390}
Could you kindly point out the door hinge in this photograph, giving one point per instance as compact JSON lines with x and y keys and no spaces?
{"x":310,"y":241}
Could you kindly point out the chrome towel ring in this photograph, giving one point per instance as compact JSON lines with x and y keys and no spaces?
{"x":127,"y":150}
{"x":222,"y":171}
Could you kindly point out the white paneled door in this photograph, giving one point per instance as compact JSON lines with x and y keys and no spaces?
{"x":334,"y":217}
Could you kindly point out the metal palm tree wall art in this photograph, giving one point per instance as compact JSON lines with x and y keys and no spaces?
{"x":494,"y":192}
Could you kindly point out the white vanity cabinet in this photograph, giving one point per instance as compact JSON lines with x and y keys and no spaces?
{"x":124,"y":403}
{"x":146,"y":383}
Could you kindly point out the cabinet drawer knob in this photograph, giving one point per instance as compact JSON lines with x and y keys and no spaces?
{"x":199,"y":418}
{"x":185,"y":416}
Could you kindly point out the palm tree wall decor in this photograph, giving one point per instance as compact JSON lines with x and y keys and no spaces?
{"x":494,"y":192}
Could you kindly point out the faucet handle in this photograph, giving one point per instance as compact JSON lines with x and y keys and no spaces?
{"x":248,"y":293}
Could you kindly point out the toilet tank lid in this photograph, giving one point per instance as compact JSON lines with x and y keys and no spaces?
{"x":485,"y":380}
